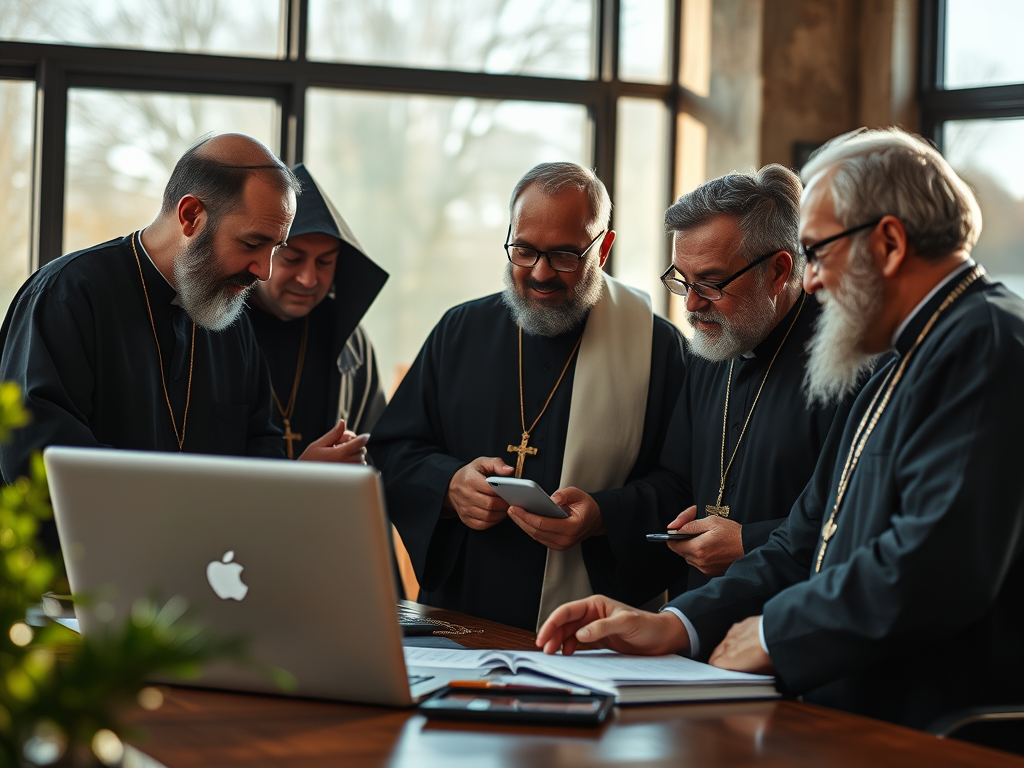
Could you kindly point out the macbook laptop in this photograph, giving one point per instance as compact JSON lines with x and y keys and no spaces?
{"x":293,"y":556}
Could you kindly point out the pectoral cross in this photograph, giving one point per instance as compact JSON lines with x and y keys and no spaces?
{"x":290,"y":437}
{"x":522,"y":450}
{"x":719,"y":510}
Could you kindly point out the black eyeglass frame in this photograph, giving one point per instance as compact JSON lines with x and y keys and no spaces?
{"x":701,"y":288}
{"x":547,"y":254}
{"x":810,"y":251}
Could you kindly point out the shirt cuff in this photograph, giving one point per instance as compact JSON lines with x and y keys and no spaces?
{"x":694,"y":640}
{"x":760,"y":634}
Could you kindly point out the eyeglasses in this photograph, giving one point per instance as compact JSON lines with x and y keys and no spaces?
{"x":810,"y":252}
{"x":560,"y":261}
{"x":707,"y":291}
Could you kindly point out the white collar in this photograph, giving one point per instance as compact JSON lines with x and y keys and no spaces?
{"x":969,"y":264}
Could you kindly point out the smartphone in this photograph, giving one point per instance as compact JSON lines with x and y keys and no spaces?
{"x":550,"y":707}
{"x":526,"y":494}
{"x":672,"y":536}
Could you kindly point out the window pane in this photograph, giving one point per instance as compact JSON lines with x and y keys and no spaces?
{"x":234,"y":27}
{"x":424,"y":182}
{"x":987,"y":154}
{"x":644,"y":41}
{"x":983,"y":42}
{"x":641,"y":252}
{"x":532,"y":37}
{"x":16,"y":112}
{"x":122,"y":147}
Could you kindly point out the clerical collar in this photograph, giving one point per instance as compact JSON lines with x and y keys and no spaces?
{"x":176,"y":301}
{"x":770,"y":343}
{"x":904,"y":337}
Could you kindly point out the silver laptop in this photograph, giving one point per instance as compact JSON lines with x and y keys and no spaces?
{"x":293,"y":556}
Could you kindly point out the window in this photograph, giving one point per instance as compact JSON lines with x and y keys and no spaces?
{"x":972,"y":106}
{"x":16,"y":109}
{"x":417,"y":117}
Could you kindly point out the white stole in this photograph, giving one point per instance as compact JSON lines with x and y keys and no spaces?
{"x":606,"y":419}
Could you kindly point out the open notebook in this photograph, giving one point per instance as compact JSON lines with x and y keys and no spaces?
{"x":631,"y":679}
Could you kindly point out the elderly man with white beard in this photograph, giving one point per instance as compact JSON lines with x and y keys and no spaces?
{"x":566,"y":378}
{"x":138,"y":342}
{"x":895,"y":587}
{"x":725,"y":473}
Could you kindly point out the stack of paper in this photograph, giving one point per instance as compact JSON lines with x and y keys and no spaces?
{"x":631,"y":679}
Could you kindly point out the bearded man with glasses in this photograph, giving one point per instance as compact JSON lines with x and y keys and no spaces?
{"x":566,"y":378}
{"x":742,"y":444}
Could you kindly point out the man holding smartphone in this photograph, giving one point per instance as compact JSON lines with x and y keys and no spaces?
{"x":566,"y":378}
{"x":742,"y":443}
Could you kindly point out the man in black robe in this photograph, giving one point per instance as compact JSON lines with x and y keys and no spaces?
{"x":737,"y":261}
{"x":895,"y":587}
{"x":460,"y":414}
{"x":306,"y":319}
{"x":139,"y":343}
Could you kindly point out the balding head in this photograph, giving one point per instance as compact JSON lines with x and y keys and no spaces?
{"x":214,"y":170}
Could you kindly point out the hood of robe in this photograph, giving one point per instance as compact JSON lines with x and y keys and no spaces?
{"x":357,"y":278}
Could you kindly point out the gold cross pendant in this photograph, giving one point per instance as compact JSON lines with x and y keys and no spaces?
{"x":522,"y":450}
{"x":717,"y":510}
{"x":289,"y":438}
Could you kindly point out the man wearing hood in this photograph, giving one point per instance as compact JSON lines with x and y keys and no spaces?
{"x":306,"y":318}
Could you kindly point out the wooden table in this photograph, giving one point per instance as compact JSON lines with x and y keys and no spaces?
{"x":204,"y":728}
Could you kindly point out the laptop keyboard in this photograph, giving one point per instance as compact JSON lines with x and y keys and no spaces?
{"x":414,"y":624}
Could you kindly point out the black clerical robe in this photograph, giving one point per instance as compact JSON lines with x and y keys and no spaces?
{"x":917,"y":610}
{"x":460,"y":401}
{"x":772,"y":464}
{"x":78,"y":341}
{"x":329,"y":359}
{"x":339,"y":377}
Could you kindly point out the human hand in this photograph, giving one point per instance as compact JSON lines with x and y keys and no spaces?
{"x":471,"y":497}
{"x":339,"y":445}
{"x":741,"y":649}
{"x":719,"y":545}
{"x":584,"y":520}
{"x":606,"y":623}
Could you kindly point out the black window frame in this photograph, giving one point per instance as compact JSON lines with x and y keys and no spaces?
{"x":57,"y":67}
{"x":939,"y":105}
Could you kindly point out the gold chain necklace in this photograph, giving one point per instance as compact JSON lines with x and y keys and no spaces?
{"x":286,"y":412}
{"x":523,"y":449}
{"x":718,"y":509}
{"x":159,"y":356}
{"x":871,"y":416}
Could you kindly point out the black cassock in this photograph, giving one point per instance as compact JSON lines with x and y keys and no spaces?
{"x":773,"y":463}
{"x":460,"y":401}
{"x":78,"y":341}
{"x":919,"y":607}
{"x":339,"y":355}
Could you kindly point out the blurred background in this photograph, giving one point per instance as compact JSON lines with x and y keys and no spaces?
{"x":418,"y":117}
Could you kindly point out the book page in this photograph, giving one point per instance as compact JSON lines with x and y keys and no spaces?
{"x":619,"y":669}
{"x":457,"y":659}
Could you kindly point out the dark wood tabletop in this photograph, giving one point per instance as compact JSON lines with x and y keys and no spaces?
{"x":204,"y":728}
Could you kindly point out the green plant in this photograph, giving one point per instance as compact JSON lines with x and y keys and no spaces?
{"x":61,"y":695}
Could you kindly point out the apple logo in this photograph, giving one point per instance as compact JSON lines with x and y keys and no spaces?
{"x":226,"y":577}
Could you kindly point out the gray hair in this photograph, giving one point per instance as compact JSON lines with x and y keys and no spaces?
{"x":552,"y":178}
{"x":766,"y":204}
{"x":889,"y":172}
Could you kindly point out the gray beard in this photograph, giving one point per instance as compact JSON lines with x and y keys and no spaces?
{"x":748,"y":326}
{"x":836,"y":362}
{"x":554,"y":321}
{"x":202,"y":290}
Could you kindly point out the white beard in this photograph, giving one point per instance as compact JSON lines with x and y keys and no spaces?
{"x":202,"y":290}
{"x":554,"y":321}
{"x":837,"y":361}
{"x":747,"y":326}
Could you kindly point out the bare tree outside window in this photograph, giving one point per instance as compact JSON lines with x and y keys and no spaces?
{"x":534,"y":37}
